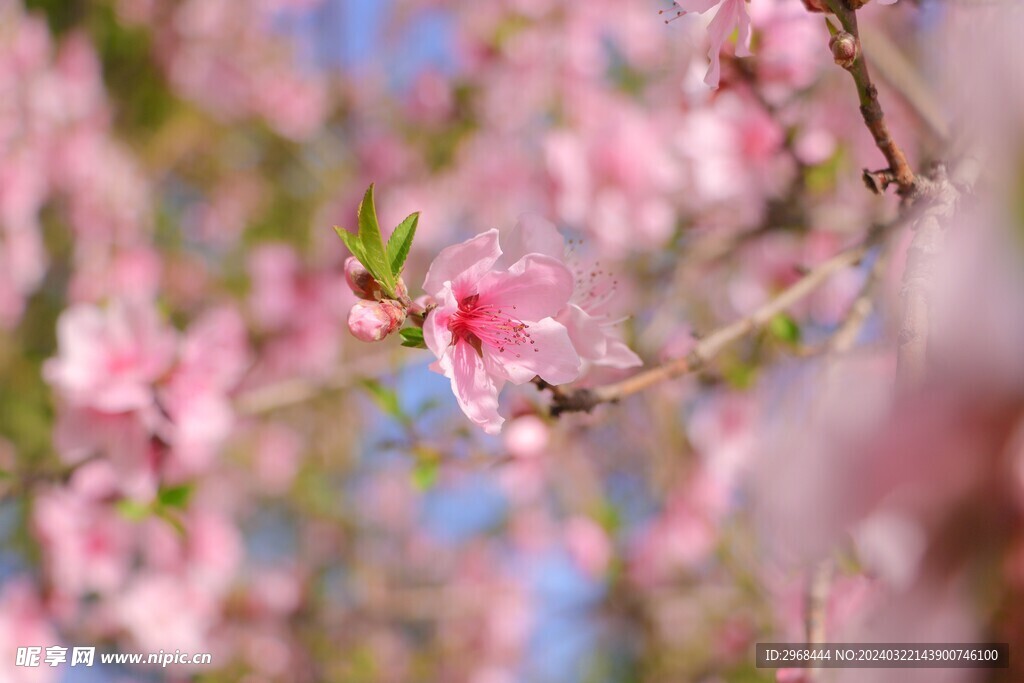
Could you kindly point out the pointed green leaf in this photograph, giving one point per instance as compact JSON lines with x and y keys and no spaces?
{"x":385,"y":398}
{"x":133,"y":510}
{"x":352,"y":243}
{"x":784,"y":328}
{"x":175,"y":496}
{"x":376,"y":260}
{"x":412,"y":337}
{"x":400,"y":242}
{"x":424,"y":474}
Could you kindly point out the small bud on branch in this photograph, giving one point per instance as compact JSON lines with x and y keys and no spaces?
{"x":845,"y":49}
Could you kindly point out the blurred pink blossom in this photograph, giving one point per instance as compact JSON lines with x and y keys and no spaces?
{"x":526,"y":436}
{"x":108,"y":358}
{"x":589,"y":545}
{"x":24,"y":622}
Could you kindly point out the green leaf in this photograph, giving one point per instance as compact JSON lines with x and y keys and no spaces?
{"x":400,"y":242}
{"x":175,"y":496}
{"x":424,"y":474}
{"x":372,"y":244}
{"x":739,"y":374}
{"x":385,"y":397}
{"x":832,"y":30}
{"x":784,"y":328}
{"x":351,"y":242}
{"x":412,"y":337}
{"x":133,"y":510}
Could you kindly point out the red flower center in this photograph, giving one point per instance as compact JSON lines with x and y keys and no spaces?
{"x":480,"y":324}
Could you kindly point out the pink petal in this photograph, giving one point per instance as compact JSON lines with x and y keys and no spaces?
{"x":743,"y":29}
{"x":698,"y":6}
{"x":533,"y":234}
{"x":585,"y":332}
{"x":465,"y":262}
{"x":475,"y":389}
{"x":732,"y":14}
{"x":435,"y":328}
{"x":620,"y":355}
{"x":537,"y":286}
{"x":551,"y":356}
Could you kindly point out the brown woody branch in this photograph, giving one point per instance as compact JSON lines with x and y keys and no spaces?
{"x":899,"y":171}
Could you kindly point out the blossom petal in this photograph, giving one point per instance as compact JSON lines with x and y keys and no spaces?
{"x":585,"y":332}
{"x":532,"y":234}
{"x":435,"y":328}
{"x":742,"y":29}
{"x":537,"y":286}
{"x":464,"y":262}
{"x":475,"y":388}
{"x":619,"y":355}
{"x":698,"y":6}
{"x":551,"y":356}
{"x":732,"y":14}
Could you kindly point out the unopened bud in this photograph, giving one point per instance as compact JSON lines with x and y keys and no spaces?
{"x":371,"y":321}
{"x":359,"y":279}
{"x":401,"y":291}
{"x":844,"y":49}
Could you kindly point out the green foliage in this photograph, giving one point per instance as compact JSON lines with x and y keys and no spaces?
{"x":412,"y":337}
{"x":133,"y":510}
{"x":738,"y":374}
{"x":824,"y":177}
{"x":61,"y":15}
{"x":785,"y":329}
{"x":170,"y":502}
{"x":385,"y":397}
{"x":424,"y":474}
{"x":384,"y":263}
{"x":175,"y":496}
{"x":367,"y":245}
{"x":400,"y":243}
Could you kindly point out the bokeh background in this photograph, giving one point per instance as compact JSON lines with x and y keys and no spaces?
{"x":196,"y":455}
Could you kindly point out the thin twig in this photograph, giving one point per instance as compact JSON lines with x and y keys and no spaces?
{"x":711,"y":345}
{"x":815,"y":617}
{"x":299,"y":390}
{"x":844,"y":337}
{"x":899,"y":170}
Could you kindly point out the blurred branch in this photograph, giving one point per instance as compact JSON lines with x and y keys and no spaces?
{"x":941,"y":191}
{"x":843,"y":338}
{"x":291,"y":392}
{"x":899,"y":170}
{"x":707,"y":348}
{"x":818,"y":586}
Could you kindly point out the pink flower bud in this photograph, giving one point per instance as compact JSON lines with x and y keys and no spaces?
{"x":371,"y":321}
{"x":359,"y":279}
{"x":844,"y":49}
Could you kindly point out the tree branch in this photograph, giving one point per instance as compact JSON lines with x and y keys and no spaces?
{"x":899,"y":170}
{"x":583,"y":399}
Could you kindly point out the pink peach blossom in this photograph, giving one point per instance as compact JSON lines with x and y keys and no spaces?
{"x":493,"y":326}
{"x":109,"y":358}
{"x":24,"y":623}
{"x":587,"y":317}
{"x":731,"y":15}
